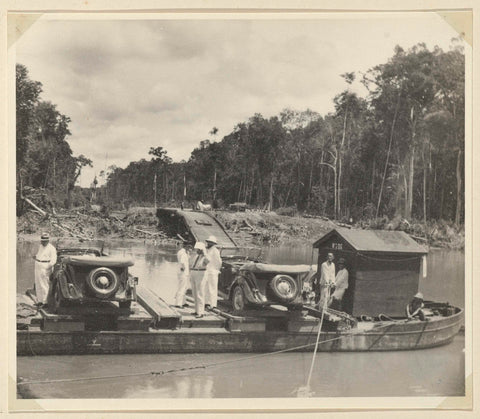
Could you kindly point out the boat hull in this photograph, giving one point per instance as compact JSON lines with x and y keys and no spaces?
{"x":384,"y":336}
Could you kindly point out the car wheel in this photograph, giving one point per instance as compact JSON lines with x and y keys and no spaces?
{"x":103,"y":282}
{"x":284,"y":287}
{"x":238,"y":299}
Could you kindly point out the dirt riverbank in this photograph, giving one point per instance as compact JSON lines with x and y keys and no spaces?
{"x":247,"y":228}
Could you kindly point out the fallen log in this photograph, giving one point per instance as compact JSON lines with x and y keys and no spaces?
{"x":151,"y":233}
{"x":44,"y":213}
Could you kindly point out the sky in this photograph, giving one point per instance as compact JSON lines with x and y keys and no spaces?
{"x":129,"y":85}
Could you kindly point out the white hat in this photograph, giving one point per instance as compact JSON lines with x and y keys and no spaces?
{"x":418,"y":295}
{"x":212,"y":239}
{"x":199,"y":245}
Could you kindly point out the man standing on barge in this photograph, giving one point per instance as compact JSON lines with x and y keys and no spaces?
{"x":327,"y":279}
{"x":198,"y":281}
{"x":45,"y":258}
{"x":213,"y":266}
{"x":183,"y":275}
{"x":341,"y":284}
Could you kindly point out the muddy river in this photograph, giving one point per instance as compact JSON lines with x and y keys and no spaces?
{"x":410,"y":373}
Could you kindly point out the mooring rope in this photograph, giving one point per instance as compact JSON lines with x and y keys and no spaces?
{"x":195,"y":367}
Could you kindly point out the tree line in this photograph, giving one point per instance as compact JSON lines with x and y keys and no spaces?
{"x":43,"y":156}
{"x":397,"y":152}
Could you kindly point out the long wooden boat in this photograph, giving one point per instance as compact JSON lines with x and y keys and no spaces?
{"x":217,"y":334}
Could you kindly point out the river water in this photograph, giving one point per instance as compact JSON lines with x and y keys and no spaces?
{"x":374,"y":374}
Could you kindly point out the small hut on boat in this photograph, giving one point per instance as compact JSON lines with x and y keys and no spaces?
{"x":384,"y":268}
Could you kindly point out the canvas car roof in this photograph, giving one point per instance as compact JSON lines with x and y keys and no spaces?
{"x":280,"y":269}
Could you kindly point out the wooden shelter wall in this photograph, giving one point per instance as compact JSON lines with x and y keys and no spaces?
{"x":385,"y":284}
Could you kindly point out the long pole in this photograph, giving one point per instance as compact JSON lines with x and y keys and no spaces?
{"x":327,"y":296}
{"x":155,"y":190}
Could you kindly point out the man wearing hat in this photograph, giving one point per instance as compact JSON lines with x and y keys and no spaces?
{"x":198,"y":281}
{"x":341,"y":284}
{"x":213,"y":264}
{"x":414,"y":308}
{"x":183,"y":275}
{"x":45,"y":258}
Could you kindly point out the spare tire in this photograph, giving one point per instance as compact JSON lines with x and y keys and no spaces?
{"x":284,"y":287}
{"x":103,"y":282}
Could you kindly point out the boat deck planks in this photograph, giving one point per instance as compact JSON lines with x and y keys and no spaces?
{"x":163,"y":315}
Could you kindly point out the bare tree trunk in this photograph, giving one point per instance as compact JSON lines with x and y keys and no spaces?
{"x":310,"y":183}
{"x":373,"y":181}
{"x":240,"y":190}
{"x":458,"y":208}
{"x":270,"y":195}
{"x":411,"y":174}
{"x":424,"y":189}
{"x":340,"y":158}
{"x":388,"y":152}
{"x":442,"y":198}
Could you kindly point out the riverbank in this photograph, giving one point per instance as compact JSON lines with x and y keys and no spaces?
{"x":247,"y":228}
{"x":269,"y":228}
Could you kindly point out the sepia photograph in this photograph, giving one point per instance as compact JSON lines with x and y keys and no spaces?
{"x":243,"y":206}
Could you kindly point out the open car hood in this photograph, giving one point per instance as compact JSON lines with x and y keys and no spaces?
{"x":277,"y":269}
{"x":107,"y":261}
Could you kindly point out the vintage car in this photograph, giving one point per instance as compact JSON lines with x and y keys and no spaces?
{"x":258,"y":284}
{"x":88,"y":275}
{"x":248,"y":283}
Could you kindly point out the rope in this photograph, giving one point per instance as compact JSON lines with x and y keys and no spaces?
{"x":195,"y":367}
{"x":326,"y":298}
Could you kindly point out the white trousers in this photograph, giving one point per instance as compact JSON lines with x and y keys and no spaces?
{"x":211,"y":286}
{"x":183,"y":283}
{"x":198,"y":291}
{"x":42,"y":280}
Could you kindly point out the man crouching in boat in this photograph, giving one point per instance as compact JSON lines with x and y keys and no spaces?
{"x":414,"y":308}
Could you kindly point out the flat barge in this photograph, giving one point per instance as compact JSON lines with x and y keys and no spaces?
{"x":221,"y":333}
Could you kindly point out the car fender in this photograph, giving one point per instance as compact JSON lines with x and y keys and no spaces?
{"x":249,"y":295}
{"x":64,"y":286}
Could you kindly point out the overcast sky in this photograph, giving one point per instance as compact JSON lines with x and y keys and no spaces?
{"x":128,"y":85}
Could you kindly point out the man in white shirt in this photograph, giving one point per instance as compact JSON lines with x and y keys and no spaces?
{"x":213,"y":266}
{"x":341,"y":284}
{"x":45,"y":258}
{"x":327,"y":279}
{"x":183,"y":275}
{"x":198,"y":280}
